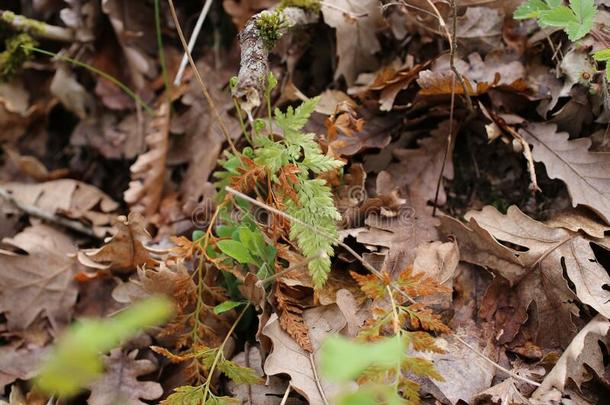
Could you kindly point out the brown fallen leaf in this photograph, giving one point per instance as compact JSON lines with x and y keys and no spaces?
{"x":586,"y":174}
{"x":148,"y":171}
{"x":480,"y":29}
{"x":289,"y":358}
{"x":583,"y":352}
{"x":356,"y":23}
{"x":120,"y":385}
{"x":125,"y":251}
{"x":37,"y":278}
{"x":31,"y":166}
{"x":19,"y":363}
{"x":505,"y":393}
{"x":69,"y":198}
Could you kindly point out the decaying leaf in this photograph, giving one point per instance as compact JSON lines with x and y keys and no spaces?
{"x":19,"y":363}
{"x":125,"y":251}
{"x":148,"y":172}
{"x":70,"y":198}
{"x":585,"y":173}
{"x":37,"y":277}
{"x":356,"y":22}
{"x":120,"y":384}
{"x":289,"y":358}
{"x":537,"y":273}
{"x":505,"y":393}
{"x":583,"y":352}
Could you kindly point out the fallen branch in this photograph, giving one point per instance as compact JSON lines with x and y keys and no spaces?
{"x":36,"y":28}
{"x":254,"y":65}
{"x":47,"y":216}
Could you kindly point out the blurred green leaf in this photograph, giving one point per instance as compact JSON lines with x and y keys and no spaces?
{"x":236,"y":250}
{"x":76,"y":359}
{"x":226,"y":306}
{"x":342,"y":359}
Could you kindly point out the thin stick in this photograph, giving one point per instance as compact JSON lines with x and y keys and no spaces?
{"x":312,"y":362}
{"x":192,"y":41}
{"x":47,"y":216}
{"x":285,"y":397}
{"x":202,"y":84}
{"x":372,"y":270}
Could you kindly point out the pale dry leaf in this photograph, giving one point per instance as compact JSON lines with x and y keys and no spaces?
{"x":504,"y":393}
{"x":125,"y":251}
{"x":19,"y":363}
{"x":437,"y":260}
{"x":148,"y":171}
{"x":480,"y":29}
{"x":16,"y":112}
{"x":270,"y":393}
{"x":71,"y":93}
{"x":356,"y":23}
{"x":586,"y":174}
{"x":37,"y":279}
{"x":70,"y":198}
{"x":582,"y":353}
{"x":289,"y":358}
{"x":31,"y":166}
{"x":579,"y":219}
{"x":120,"y":385}
{"x":465,"y":373}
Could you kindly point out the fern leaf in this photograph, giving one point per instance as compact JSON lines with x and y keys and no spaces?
{"x":238,"y":374}
{"x":293,"y":120}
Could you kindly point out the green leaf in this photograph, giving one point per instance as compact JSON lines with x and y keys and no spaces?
{"x":226,"y":306}
{"x":238,"y":374}
{"x":342,"y":359}
{"x":236,"y":250}
{"x":602,"y":56}
{"x":557,"y":17}
{"x":530,"y":9}
{"x":75,"y":361}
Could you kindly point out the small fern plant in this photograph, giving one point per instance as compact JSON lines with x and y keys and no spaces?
{"x":285,"y":170}
{"x":382,"y":360}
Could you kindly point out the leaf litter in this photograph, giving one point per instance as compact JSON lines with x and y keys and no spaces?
{"x":496,"y":234}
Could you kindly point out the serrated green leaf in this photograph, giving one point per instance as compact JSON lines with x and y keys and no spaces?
{"x":530,"y":9}
{"x":226,"y":306}
{"x":602,"y":56}
{"x":236,"y":250}
{"x":238,"y":374}
{"x":557,"y":17}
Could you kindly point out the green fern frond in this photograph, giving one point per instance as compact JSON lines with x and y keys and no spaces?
{"x":293,"y":120}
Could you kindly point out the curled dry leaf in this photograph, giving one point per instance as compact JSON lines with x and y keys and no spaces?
{"x":37,"y":277}
{"x":148,"y":171}
{"x":33,"y":167}
{"x":120,"y":384}
{"x":289,"y":358}
{"x":356,"y":22}
{"x":583,"y":352}
{"x":125,"y":251}
{"x":536,"y":273}
{"x":586,"y":174}
{"x":70,"y":198}
{"x":505,"y":393}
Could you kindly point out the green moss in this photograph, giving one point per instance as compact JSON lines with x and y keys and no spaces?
{"x":308,"y":5}
{"x":270,"y":25}
{"x":8,"y":16}
{"x":17,"y":51}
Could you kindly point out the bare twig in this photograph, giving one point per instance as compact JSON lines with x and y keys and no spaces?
{"x":254,"y":65}
{"x":286,"y":394}
{"x":36,"y":28}
{"x":192,"y":41}
{"x":373,"y":271}
{"x":204,"y":88}
{"x":47,"y":216}
{"x":312,"y":362}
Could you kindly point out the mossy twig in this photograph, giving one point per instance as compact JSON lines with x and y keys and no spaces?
{"x":36,"y":28}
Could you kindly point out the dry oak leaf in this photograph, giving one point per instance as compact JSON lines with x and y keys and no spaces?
{"x":19,"y":363}
{"x":287,"y":357}
{"x":504,"y":393}
{"x":586,"y":174}
{"x":148,"y":171}
{"x":70,"y":198}
{"x":125,"y":251}
{"x":37,"y":277}
{"x":120,"y":384}
{"x":583,"y":354}
{"x":356,"y":23}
